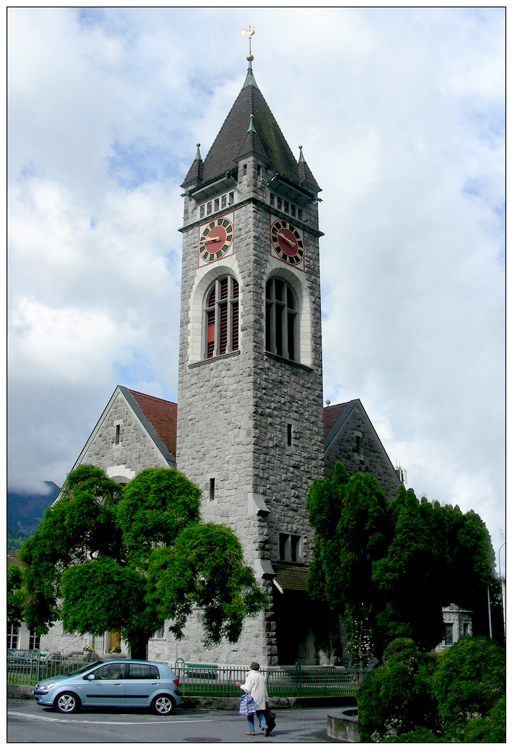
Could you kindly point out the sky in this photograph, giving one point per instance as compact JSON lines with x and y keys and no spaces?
{"x":400,"y":112}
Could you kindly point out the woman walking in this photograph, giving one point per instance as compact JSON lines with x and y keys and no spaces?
{"x":256,"y":687}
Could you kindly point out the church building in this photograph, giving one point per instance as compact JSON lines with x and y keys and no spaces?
{"x":249,"y":428}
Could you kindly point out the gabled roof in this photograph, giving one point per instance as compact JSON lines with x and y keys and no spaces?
{"x":268,"y":141}
{"x":335,"y":416}
{"x":158,"y":417}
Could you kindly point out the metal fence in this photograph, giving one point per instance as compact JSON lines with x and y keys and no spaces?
{"x":26,"y":667}
{"x":29,"y":667}
{"x":295,"y":680}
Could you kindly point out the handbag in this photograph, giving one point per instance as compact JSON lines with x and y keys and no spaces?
{"x":270,"y":719}
{"x":247,"y":705}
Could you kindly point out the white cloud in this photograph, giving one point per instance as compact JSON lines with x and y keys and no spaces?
{"x":401,"y":115}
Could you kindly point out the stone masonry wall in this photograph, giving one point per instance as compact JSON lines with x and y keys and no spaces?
{"x":233,"y":410}
{"x":134,"y":452}
{"x":371,"y":457}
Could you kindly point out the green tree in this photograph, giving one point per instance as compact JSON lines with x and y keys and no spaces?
{"x":14,"y":595}
{"x":389,"y":567}
{"x":470,"y":686}
{"x":397,"y":697}
{"x":456,"y":696}
{"x":105,"y":559}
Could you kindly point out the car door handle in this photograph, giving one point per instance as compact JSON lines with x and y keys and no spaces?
{"x":117,"y":683}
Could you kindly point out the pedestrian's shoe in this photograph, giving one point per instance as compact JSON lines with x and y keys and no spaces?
{"x":266,"y":731}
{"x":250,"y":733}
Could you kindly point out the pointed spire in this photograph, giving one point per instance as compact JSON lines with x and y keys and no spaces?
{"x":305,"y":174}
{"x":250,"y":78}
{"x":195,"y":173}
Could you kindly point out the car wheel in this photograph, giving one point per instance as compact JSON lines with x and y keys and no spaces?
{"x":163,"y":705}
{"x":67,"y":703}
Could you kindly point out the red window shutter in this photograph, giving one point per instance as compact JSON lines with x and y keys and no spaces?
{"x":211,"y":327}
{"x":235,"y":326}
{"x":223,"y":329}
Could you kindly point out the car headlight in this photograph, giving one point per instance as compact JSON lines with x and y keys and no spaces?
{"x":47,"y":685}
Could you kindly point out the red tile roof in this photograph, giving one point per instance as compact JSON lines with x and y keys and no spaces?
{"x":331,"y":414}
{"x":161,"y":414}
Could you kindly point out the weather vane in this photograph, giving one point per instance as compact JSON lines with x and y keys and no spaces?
{"x":249,"y":32}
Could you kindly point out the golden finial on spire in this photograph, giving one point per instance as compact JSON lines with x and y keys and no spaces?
{"x":249,"y":32}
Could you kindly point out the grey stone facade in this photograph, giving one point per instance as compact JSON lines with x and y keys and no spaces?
{"x":234,"y":410}
{"x":354,"y":441}
{"x":123,"y":443}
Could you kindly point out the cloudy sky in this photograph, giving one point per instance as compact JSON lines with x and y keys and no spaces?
{"x":401,"y":116}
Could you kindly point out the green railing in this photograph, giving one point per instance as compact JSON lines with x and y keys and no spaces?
{"x":201,"y":679}
{"x":286,"y":681}
{"x":29,"y":667}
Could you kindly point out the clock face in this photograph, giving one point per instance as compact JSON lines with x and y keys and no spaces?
{"x":215,"y":239}
{"x":287,"y":242}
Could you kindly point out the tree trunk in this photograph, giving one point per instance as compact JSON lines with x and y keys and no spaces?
{"x":139,"y":648}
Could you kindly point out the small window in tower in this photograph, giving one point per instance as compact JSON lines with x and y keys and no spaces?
{"x":202,"y":211}
{"x":212,"y":494}
{"x":279,"y":202}
{"x":290,"y":548}
{"x":259,"y":170}
{"x":289,"y":435}
{"x":449,"y":634}
{"x":300,"y":214}
{"x":245,"y":169}
{"x":292,"y":209}
{"x":118,"y":433}
{"x":286,"y":206}
{"x":223,"y":201}
{"x":271,"y":199}
{"x":231,"y":198}
{"x":216,"y":204}
{"x":209,"y":207}
{"x":295,"y":552}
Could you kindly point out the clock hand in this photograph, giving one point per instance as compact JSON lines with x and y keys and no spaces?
{"x":291,"y":243}
{"x":212,"y":239}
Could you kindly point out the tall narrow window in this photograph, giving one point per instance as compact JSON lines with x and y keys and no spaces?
{"x":222,"y":317}
{"x":118,"y":432}
{"x":289,"y":435}
{"x":281,"y":320}
{"x":34,"y":640}
{"x":212,"y":495}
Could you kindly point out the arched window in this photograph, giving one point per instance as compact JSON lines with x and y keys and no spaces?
{"x":222,"y":317}
{"x":281,"y":319}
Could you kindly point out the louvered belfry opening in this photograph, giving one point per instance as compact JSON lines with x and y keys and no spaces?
{"x":222,"y":317}
{"x":281,"y":320}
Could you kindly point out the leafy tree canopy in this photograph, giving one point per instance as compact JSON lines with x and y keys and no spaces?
{"x":456,"y":696}
{"x":111,"y":559}
{"x":389,"y":567}
{"x":14,"y":595}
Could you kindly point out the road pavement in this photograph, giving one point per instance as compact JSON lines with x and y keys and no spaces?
{"x":27,"y":722}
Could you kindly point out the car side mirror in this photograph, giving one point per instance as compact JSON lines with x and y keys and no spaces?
{"x":90,"y":677}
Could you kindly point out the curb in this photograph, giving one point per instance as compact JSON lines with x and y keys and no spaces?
{"x":218,"y":703}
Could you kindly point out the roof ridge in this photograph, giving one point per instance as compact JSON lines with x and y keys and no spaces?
{"x":155,"y":398}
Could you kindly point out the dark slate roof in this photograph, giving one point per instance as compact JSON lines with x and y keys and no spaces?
{"x":234,"y":141}
{"x":159,"y":419}
{"x":290,"y":578}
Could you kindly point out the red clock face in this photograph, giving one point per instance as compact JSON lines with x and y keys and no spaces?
{"x":215,"y":239}
{"x":287,"y":242}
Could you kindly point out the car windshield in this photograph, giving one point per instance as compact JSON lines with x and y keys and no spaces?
{"x":85,"y":669}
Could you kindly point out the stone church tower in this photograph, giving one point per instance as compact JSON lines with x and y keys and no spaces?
{"x":250,"y":415}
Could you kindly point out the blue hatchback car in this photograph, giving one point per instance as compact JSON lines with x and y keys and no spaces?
{"x":119,"y":683}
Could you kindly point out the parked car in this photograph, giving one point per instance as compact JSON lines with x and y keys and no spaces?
{"x":16,"y":657}
{"x":115,"y":683}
